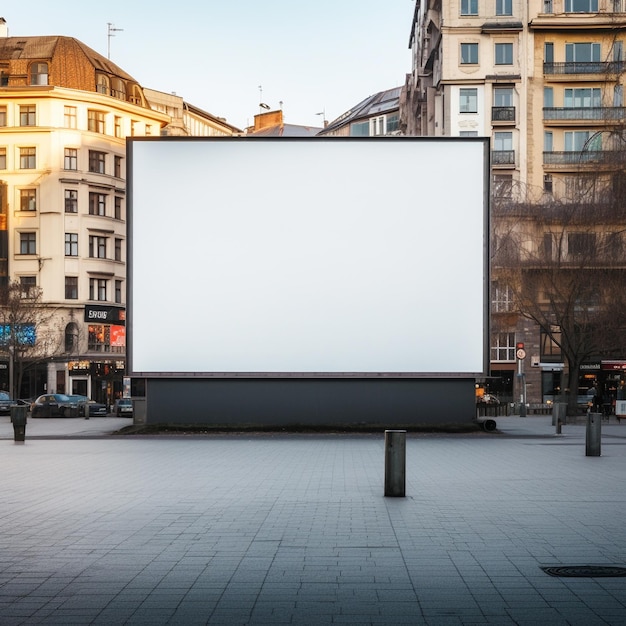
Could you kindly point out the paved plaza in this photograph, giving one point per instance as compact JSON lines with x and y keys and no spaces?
{"x":295,"y":529}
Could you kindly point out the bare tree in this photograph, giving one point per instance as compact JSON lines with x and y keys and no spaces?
{"x":28,"y":334}
{"x":565,"y":262}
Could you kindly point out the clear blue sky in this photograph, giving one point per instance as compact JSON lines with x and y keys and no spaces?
{"x":313,"y":56}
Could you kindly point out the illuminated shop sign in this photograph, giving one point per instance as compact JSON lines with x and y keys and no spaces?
{"x":105,"y":314}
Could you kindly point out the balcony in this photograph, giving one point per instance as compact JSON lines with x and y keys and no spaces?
{"x":565,"y":71}
{"x":503,"y":115}
{"x":578,"y":158}
{"x":503,"y":158}
{"x":602,"y":115}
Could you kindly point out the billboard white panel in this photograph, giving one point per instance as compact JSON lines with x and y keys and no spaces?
{"x":307,"y":257}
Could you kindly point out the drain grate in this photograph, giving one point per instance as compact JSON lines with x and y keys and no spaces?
{"x":585,"y":571}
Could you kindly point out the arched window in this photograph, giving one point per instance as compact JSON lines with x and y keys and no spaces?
{"x":71,"y":337}
{"x":118,"y":89}
{"x":39,"y":74}
{"x":136,"y":95}
{"x":102,"y":84}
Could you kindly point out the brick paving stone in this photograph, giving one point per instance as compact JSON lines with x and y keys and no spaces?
{"x":295,"y":529}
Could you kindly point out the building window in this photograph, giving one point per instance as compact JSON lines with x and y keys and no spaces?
{"x":583,"y":97}
{"x":377,"y":125}
{"x":118,"y":249}
{"x":95,"y":121}
{"x":503,"y":347}
{"x":3,"y":158}
{"x":99,"y":338}
{"x":3,"y":116}
{"x":148,"y":130}
{"x":547,"y":6}
{"x":502,"y":299}
{"x":360,"y":129}
{"x":71,"y":287}
{"x":97,"y":203}
{"x":71,"y":332}
{"x":97,"y":247}
{"x":582,"y":52}
{"x":118,"y":208}
{"x":70,"y":119}
{"x":97,"y":162}
{"x":118,"y":291}
{"x":118,"y":126}
{"x":28,"y":199}
{"x":28,"y":285}
{"x":504,"y":7}
{"x":547,"y":183}
{"x":503,"y":141}
{"x":469,"y":53}
{"x":28,"y":243}
{"x":468,"y":133}
{"x":117,"y":166}
{"x":102,"y":84}
{"x":70,"y":160}
{"x":576,"y":141}
{"x":581,"y":6}
{"x":468,"y":102}
{"x":28,"y":158}
{"x":618,"y":95}
{"x":548,"y":141}
{"x":27,"y":115}
{"x":71,"y":244}
{"x":503,"y":186}
{"x":39,"y":74}
{"x":469,"y":7}
{"x":71,"y":201}
{"x":503,"y":97}
{"x":581,"y":245}
{"x":504,"y":54}
{"x":98,"y":289}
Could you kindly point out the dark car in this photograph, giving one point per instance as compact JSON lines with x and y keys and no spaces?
{"x":6,"y":403}
{"x":54,"y":405}
{"x":124,"y":407}
{"x":95,"y":408}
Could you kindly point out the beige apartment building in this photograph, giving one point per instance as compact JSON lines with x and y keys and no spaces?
{"x":544,"y":80}
{"x":65,"y":114}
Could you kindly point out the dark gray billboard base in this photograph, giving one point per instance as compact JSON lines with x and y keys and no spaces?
{"x":307,"y":403}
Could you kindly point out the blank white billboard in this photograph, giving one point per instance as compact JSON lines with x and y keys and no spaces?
{"x":307,"y":257}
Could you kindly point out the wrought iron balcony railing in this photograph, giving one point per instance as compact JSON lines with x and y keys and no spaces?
{"x":611,"y":114}
{"x":503,"y":157}
{"x":502,"y":114}
{"x":584,"y":67}
{"x":578,"y":157}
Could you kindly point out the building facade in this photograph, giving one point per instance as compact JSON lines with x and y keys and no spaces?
{"x":544,"y":80}
{"x":65,"y":114}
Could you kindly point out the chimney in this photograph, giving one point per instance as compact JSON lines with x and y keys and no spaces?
{"x":4,"y":29}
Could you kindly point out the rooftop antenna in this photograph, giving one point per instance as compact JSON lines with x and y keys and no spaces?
{"x":111,"y":33}
{"x":323,"y":114}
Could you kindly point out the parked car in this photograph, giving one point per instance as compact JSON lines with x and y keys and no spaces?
{"x":95,"y":408}
{"x":6,"y":403}
{"x":54,"y":405}
{"x":124,"y":407}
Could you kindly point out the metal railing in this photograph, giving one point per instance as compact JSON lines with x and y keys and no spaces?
{"x":584,"y":113}
{"x":584,"y":67}
{"x":503,"y":157}
{"x":502,"y":114}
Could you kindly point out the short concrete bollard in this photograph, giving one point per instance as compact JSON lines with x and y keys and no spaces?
{"x":593,"y":434}
{"x":395,"y":463}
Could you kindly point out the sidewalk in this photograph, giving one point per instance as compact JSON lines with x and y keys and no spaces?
{"x":294,"y":529}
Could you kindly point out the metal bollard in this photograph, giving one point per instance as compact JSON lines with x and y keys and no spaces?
{"x":18,"y":418}
{"x":87,"y":410}
{"x":395,"y":463}
{"x":593,"y":434}
{"x":559,"y":412}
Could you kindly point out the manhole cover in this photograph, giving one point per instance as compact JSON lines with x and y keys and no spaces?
{"x":585,"y":571}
